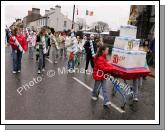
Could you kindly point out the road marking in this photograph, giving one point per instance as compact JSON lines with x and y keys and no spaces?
{"x":49,"y":60}
{"x":101,"y":97}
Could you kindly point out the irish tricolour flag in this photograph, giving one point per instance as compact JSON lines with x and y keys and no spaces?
{"x":89,"y":13}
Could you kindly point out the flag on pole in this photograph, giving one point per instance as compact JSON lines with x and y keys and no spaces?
{"x":90,"y":13}
{"x":87,"y":12}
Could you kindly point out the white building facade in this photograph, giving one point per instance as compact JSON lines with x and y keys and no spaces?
{"x":55,"y":19}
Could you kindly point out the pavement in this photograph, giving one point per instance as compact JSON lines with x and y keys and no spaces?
{"x":56,"y":95}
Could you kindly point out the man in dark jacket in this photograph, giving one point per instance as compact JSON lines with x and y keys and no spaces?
{"x":87,"y":47}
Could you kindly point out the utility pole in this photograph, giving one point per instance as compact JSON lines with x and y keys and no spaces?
{"x":73,"y":17}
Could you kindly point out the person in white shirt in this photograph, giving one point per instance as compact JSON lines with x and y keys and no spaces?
{"x":31,"y":43}
{"x":43,"y":44}
{"x":62,"y":45}
{"x":79,"y":52}
{"x":54,"y":46}
{"x":72,"y":49}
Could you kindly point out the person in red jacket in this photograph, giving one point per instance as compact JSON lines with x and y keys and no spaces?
{"x":19,"y":45}
{"x":101,"y":64}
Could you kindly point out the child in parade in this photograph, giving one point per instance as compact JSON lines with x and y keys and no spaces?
{"x":49,"y":46}
{"x":101,"y":63}
{"x":72,"y":51}
{"x":31,"y":40}
{"x":78,"y":54}
{"x":43,"y":43}
{"x":19,"y":46}
{"x":62,"y":45}
{"x":83,"y":53}
{"x":54,"y":46}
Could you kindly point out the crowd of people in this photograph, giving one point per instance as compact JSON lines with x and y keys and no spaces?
{"x":53,"y":45}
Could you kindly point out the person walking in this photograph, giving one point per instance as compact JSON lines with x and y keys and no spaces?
{"x":72,"y":49}
{"x":102,"y":64}
{"x":58,"y":40}
{"x":54,"y":46}
{"x":43,"y":45}
{"x":87,"y":46}
{"x":62,"y":45}
{"x":19,"y":46}
{"x":79,"y":51}
{"x":31,"y":40}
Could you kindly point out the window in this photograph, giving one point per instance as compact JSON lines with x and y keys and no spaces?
{"x":65,"y":23}
{"x":44,"y":21}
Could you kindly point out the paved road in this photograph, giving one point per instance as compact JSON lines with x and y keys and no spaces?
{"x":65,"y":96}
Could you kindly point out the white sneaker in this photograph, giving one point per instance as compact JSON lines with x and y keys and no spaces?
{"x":19,"y":71}
{"x":39,"y":71}
{"x":70,"y":70}
{"x":14,"y":72}
{"x":55,"y":62}
{"x":108,"y":103}
{"x":94,"y":98}
{"x":135,"y":99}
{"x":87,"y":72}
{"x":43,"y":69}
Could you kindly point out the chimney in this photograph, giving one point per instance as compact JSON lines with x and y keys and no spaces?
{"x":58,"y":8}
{"x":46,"y":12}
{"x":52,"y":10}
{"x":29,"y":13}
{"x":35,"y":10}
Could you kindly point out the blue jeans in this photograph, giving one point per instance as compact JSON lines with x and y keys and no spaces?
{"x":100,"y":84}
{"x":54,"y":53}
{"x":31,"y":52}
{"x":17,"y":55}
{"x":71,"y":64}
{"x":41,"y":63}
{"x":63,"y":50}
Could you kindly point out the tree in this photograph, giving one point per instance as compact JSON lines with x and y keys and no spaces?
{"x":100,"y":26}
{"x":81,"y":23}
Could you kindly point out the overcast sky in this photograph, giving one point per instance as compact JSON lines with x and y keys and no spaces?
{"x":114,"y":15}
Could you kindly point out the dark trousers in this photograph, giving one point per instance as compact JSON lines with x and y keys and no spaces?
{"x":151,"y":59}
{"x":41,"y":63}
{"x":17,"y":55}
{"x":89,"y":58}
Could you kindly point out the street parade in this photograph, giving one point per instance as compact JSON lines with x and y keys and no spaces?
{"x":49,"y":69}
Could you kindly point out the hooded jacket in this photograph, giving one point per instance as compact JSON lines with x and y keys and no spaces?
{"x":101,"y":67}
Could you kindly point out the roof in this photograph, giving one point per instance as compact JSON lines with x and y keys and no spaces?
{"x":39,"y":18}
{"x":48,"y":14}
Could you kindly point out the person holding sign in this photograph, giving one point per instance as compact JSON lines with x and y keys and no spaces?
{"x":90,"y":48}
{"x":19,"y":46}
